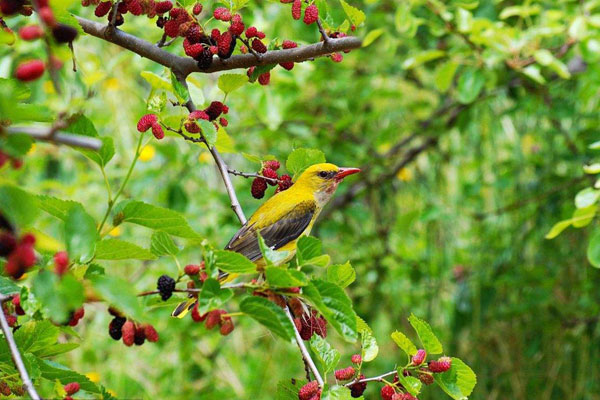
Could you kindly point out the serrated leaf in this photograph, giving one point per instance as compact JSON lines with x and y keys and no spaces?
{"x":54,"y":371}
{"x":307,"y":247}
{"x":224,"y":142}
{"x":319,"y":261}
{"x":459,"y":381}
{"x":278,"y":277}
{"x":118,"y":293}
{"x":368,"y":343}
{"x":269,"y":315}
{"x":58,"y":297}
{"x":270,"y":256}
{"x":430,"y":342}
{"x":410,"y":383}
{"x":234,"y":263}
{"x":230,"y":82}
{"x":212,"y":296}
{"x":56,"y":207}
{"x":7,"y":286}
{"x":404,"y":343}
{"x":179,"y":89}
{"x":341,"y":274}
{"x":17,"y":145}
{"x":156,"y":81}
{"x":337,"y":392}
{"x":300,"y":159}
{"x":333,"y":303}
{"x":17,"y":205}
{"x":208,"y":131}
{"x":355,"y":15}
{"x":159,"y":218}
{"x":35,"y":336}
{"x":80,"y":234}
{"x":326,"y":355}
{"x":104,"y":154}
{"x":161,"y":244}
{"x":116,"y":249}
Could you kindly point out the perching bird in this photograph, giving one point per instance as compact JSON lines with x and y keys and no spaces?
{"x":285,"y":217}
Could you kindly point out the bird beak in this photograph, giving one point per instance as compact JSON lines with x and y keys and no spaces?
{"x":344,"y":172}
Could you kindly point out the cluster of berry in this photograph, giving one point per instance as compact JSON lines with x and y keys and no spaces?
{"x":70,"y":389}
{"x":269,"y":170}
{"x":307,"y":321}
{"x":129,"y":331}
{"x":151,"y":121}
{"x":214,"y":318}
{"x":311,"y":390}
{"x":32,"y":69}
{"x":311,"y":11}
{"x":16,"y":163}
{"x":20,"y":254}
{"x":12,"y":311}
{"x":13,"y":388}
{"x":134,"y":7}
{"x":211,"y":113}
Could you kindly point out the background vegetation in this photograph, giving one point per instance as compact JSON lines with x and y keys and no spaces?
{"x":472,"y":122}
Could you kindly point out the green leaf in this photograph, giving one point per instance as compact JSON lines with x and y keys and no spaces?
{"x":180,"y":91}
{"x":288,"y":390}
{"x":558,"y":228}
{"x":410,"y":383}
{"x":583,"y":216}
{"x":546,"y":58}
{"x":278,"y":277}
{"x":80,"y":235}
{"x":368,"y":343}
{"x":7,"y":286}
{"x":234,"y":263}
{"x":159,"y":218}
{"x":307,"y":247}
{"x":421,"y":58}
{"x":593,"y":250}
{"x":54,"y":371}
{"x":592,"y":169}
{"x":161,"y":244}
{"x":57,"y":349}
{"x":534,"y":73}
{"x":157,"y":103}
{"x":444,"y":75}
{"x":520,"y":11}
{"x":17,"y":205}
{"x":271,"y":257}
{"x":430,"y":342}
{"x":118,"y":293}
{"x":300,"y":159}
{"x":269,"y":315}
{"x":104,"y":154}
{"x":355,"y":15}
{"x":116,"y":249}
{"x":326,"y":355}
{"x":337,"y":392}
{"x":341,"y":274}
{"x":470,"y":84}
{"x":17,"y":145}
{"x":259,"y":70}
{"x":333,"y":303}
{"x":57,"y":296}
{"x":230,"y":82}
{"x":56,"y":207}
{"x":212,"y":296}
{"x":208,"y":131}
{"x":404,"y":343}
{"x":320,"y":261}
{"x":458,"y":382}
{"x":224,"y":142}
{"x":372,"y":36}
{"x":156,"y":81}
{"x":35,"y":336}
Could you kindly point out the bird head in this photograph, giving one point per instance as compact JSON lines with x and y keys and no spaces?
{"x":323,"y":179}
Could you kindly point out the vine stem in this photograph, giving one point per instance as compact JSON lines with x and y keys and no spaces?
{"x":304,"y":350}
{"x":14,"y":351}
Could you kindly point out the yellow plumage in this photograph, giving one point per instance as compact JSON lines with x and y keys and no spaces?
{"x":285,"y":217}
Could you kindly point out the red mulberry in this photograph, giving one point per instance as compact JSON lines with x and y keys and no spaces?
{"x":285,"y":182}
{"x":61,"y":262}
{"x":287,"y":65}
{"x":337,"y":57}
{"x":197,"y":9}
{"x":259,"y":46}
{"x":259,"y":186}
{"x":31,"y":32}
{"x":191,"y":269}
{"x":289,"y":44}
{"x":223,"y":121}
{"x":441,"y":365}
{"x":157,"y":131}
{"x":30,"y":70}
{"x":146,"y":122}
{"x":192,"y":50}
{"x":72,"y":388}
{"x":222,"y":14}
{"x":135,"y":7}
{"x":272,"y":164}
{"x":214,"y":110}
{"x":345,"y":374}
{"x":297,"y":9}
{"x":265,"y":78}
{"x":128,"y":332}
{"x":356,"y":359}
{"x":102,"y":9}
{"x":150,"y":333}
{"x":227,"y":327}
{"x":307,"y":391}
{"x":419,"y":357}
{"x":311,"y":14}
{"x":163,"y":7}
{"x":387,"y":392}
{"x":199,"y":114}
{"x":251,"y":32}
{"x":270,"y":173}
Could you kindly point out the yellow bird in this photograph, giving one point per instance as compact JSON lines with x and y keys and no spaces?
{"x":284,"y":218}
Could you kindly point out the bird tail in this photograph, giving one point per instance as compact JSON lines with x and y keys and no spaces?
{"x":185,"y":306}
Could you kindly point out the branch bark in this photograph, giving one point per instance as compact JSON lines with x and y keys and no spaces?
{"x":303,"y":350}
{"x":378,"y":378}
{"x":57,"y":137}
{"x":14,"y":351}
{"x":186,"y":65}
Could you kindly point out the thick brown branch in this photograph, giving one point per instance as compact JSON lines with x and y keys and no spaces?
{"x":186,"y":65}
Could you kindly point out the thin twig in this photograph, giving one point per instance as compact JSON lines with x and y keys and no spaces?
{"x":251,"y":175}
{"x":113,"y":16}
{"x":59,"y":137}
{"x":378,"y":378}
{"x":14,"y":351}
{"x":304,"y":350}
{"x":324,"y":35}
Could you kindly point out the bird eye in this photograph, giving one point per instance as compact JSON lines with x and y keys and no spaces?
{"x":323,"y":174}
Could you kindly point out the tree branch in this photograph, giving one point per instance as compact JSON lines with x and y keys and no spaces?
{"x":187,"y":65}
{"x":251,"y":175}
{"x":14,"y":351}
{"x":57,"y":137}
{"x":305,"y":355}
{"x":378,"y":378}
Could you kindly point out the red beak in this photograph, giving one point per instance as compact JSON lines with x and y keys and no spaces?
{"x":344,"y":172}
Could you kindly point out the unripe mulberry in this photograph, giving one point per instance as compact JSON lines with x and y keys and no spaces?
{"x":307,"y":391}
{"x":357,"y":389}
{"x":269,"y":173}
{"x":64,"y":33}
{"x":259,"y":46}
{"x":297,"y":9}
{"x":31,"y":32}
{"x":61,"y":262}
{"x":419,"y":357}
{"x":30,"y":70}
{"x":222,"y":14}
{"x":157,"y":131}
{"x":226,"y":327}
{"x":102,"y":9}
{"x":345,"y":374}
{"x":163,"y":7}
{"x":427,"y":379}
{"x":197,"y":9}
{"x":311,"y":14}
{"x":150,"y":333}
{"x":265,"y":78}
{"x":165,"y":286}
{"x":191,"y":269}
{"x":72,"y":388}
{"x":259,"y":186}
{"x":146,"y":122}
{"x":443,"y":364}
{"x":387,"y":392}
{"x":356,"y":359}
{"x":128,"y":332}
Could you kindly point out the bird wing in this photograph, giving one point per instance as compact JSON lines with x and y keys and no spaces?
{"x":276,"y":234}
